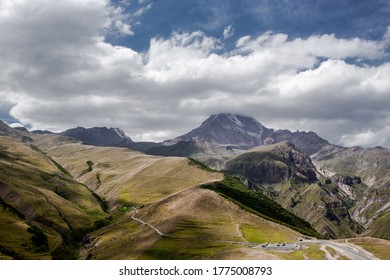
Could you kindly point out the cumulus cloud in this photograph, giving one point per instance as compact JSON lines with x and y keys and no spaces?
{"x":59,"y":71}
{"x":228,"y":32}
{"x":118,"y":20}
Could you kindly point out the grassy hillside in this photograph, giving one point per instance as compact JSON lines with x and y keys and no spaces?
{"x":129,"y":180}
{"x":259,"y":204}
{"x":125,"y":178}
{"x":379,"y":247}
{"x":115,"y":203}
{"x":380,"y":226}
{"x":41,"y":205}
{"x":202,"y":224}
{"x":199,"y":224}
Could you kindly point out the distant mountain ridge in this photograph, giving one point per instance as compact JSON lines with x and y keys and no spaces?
{"x":230,"y":131}
{"x":238,"y":132}
{"x":99,"y":136}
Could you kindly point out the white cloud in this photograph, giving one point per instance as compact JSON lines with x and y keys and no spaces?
{"x":368,"y":137}
{"x":327,"y":46}
{"x":180,"y":57}
{"x":58,"y":71}
{"x":118,"y":20}
{"x":143,"y":10}
{"x":123,"y":28}
{"x":228,"y":32}
{"x":16,"y":125}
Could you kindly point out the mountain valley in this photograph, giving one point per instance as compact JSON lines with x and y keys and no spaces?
{"x":97,"y":194}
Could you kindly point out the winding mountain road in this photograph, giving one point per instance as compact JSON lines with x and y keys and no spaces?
{"x":151,"y":226}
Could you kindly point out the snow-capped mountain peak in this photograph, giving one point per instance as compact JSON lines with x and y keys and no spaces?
{"x":229,"y":129}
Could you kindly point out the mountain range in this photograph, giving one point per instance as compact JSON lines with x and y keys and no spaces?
{"x":215,"y":140}
{"x":236,"y":132}
{"x":330,"y":191}
{"x":225,"y":130}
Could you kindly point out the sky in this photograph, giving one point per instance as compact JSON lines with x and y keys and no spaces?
{"x":157,"y":69}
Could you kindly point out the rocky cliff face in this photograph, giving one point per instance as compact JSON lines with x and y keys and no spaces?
{"x":371,"y":166}
{"x":272,"y":164}
{"x":288,"y":176}
{"x":345,"y":179}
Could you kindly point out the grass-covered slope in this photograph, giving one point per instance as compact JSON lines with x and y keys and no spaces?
{"x":380,"y":226}
{"x":259,"y":204}
{"x":198,"y":224}
{"x":44,"y":212}
{"x":54,"y":199}
{"x":129,"y":180}
{"x":379,"y":247}
{"x":126,"y":178}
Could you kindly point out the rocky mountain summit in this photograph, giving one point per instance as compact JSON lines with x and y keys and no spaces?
{"x":224,"y":135}
{"x":230,"y":130}
{"x":99,"y":136}
{"x":244,"y":132}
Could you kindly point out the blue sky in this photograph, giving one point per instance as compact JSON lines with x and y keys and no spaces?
{"x":345,"y":18}
{"x":157,"y":69}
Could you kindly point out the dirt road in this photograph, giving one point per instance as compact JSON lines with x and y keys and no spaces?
{"x":348,"y":250}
